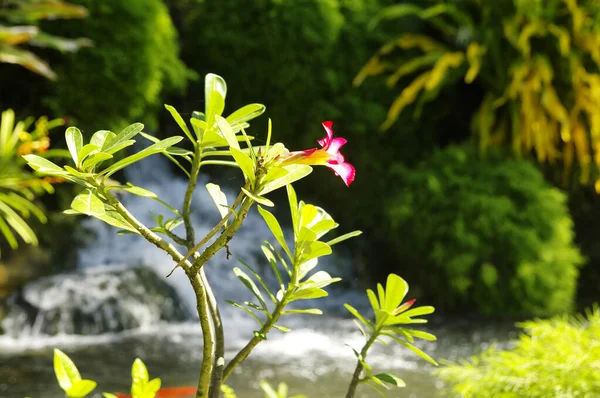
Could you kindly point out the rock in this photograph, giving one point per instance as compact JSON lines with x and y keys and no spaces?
{"x":91,"y":302}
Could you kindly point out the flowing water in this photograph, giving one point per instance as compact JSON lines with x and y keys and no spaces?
{"x":312,"y":359}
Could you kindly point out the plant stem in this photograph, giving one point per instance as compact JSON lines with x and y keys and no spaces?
{"x":273,"y":318}
{"x":244,"y":352}
{"x":214,"y":230}
{"x":219,"y":357}
{"x":359,"y":366}
{"x":206,"y":368}
{"x":187,"y":199}
{"x":225,"y":237}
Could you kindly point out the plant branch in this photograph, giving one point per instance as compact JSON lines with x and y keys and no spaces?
{"x":214,"y":230}
{"x":219,"y":353}
{"x":142,"y":229}
{"x":225,"y":237}
{"x":187,"y":199}
{"x":176,"y":238}
{"x":206,"y":368}
{"x":359,"y":366}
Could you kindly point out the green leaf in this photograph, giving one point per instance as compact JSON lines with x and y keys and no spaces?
{"x":139,"y":377}
{"x":415,"y":350}
{"x":357,"y":314}
{"x":421,"y":335}
{"x":122,"y":145}
{"x":214,"y":83}
{"x":293,"y":201}
{"x":276,"y":230}
{"x":315,"y":250}
{"x":373,"y":300}
{"x":81,"y":388}
{"x":395,"y":291}
{"x":424,"y":310}
{"x":65,"y":370}
{"x":390,"y":379}
{"x":45,"y":166}
{"x":296,"y":172}
{"x":259,"y":199}
{"x":88,"y":203}
{"x":320,"y":279}
{"x":138,"y":191}
{"x":246,"y":113}
{"x":310,"y":293}
{"x":282,"y":328}
{"x":109,"y":395}
{"x":152,"y":388}
{"x":249,"y":311}
{"x":116,"y":220}
{"x":95,"y":159}
{"x":218,"y":198}
{"x":312,"y":311}
{"x":227,"y":132}
{"x":74,"y":142}
{"x":245,"y":163}
{"x":261,"y":281}
{"x":100,"y":137}
{"x":181,"y":122}
{"x":127,"y":134}
{"x":305,"y":267}
{"x":249,"y":283}
{"x":157,"y":147}
{"x":344,"y":237}
{"x":86,"y":151}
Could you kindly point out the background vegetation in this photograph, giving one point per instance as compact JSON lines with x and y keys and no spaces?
{"x":486,"y":223}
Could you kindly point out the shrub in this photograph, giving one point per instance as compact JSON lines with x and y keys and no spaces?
{"x":537,"y":63}
{"x":559,"y":357}
{"x":134,"y":61}
{"x":488,"y":234}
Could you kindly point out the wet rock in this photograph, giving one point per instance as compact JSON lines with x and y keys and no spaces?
{"x":94,"y":301}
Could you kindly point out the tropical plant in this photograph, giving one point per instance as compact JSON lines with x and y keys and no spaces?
{"x":495,"y":234}
{"x":18,"y":187}
{"x":266,"y":168}
{"x":557,"y":357}
{"x":536,"y":62}
{"x":22,"y":17}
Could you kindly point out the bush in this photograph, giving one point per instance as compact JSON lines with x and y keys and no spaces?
{"x":487,"y":234}
{"x":559,"y":357}
{"x":133,"y":63}
{"x":536,"y":62}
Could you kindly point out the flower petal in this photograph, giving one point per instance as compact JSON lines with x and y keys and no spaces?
{"x":324,"y":142}
{"x":344,"y":170}
{"x":335,"y":145}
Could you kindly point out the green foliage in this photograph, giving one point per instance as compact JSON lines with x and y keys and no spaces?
{"x":291,"y":269}
{"x":488,"y":234}
{"x":24,"y":14}
{"x":19,"y":188}
{"x":537,"y":63}
{"x":282,"y":391}
{"x":558,"y":357}
{"x":69,"y":379}
{"x":389,"y":314}
{"x":133,"y":63}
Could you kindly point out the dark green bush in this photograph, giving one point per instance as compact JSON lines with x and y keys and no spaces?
{"x":484,"y":234}
{"x":554,"y":358}
{"x":133,"y":63}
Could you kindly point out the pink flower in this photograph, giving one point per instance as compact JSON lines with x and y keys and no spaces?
{"x":329,"y":155}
